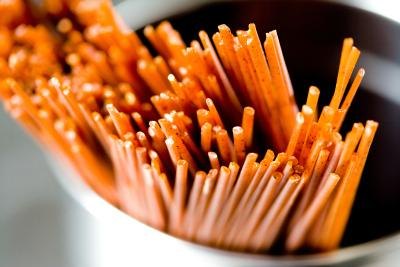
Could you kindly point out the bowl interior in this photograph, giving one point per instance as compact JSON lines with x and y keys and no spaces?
{"x":311,"y":35}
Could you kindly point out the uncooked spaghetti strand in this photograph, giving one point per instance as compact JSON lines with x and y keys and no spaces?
{"x":284,"y":70}
{"x":156,"y":42}
{"x":166,"y":191}
{"x":351,"y":63}
{"x":214,"y":162}
{"x":279,"y":78}
{"x":239,"y":144}
{"x":312,"y":99}
{"x":308,"y":115}
{"x":45,"y":125}
{"x":280,"y":220}
{"x":260,"y":237}
{"x":228,"y":45}
{"x":238,"y":212}
{"x":225,"y":146}
{"x":189,"y":221}
{"x":234,"y":169}
{"x":248,"y":124}
{"x":154,"y":198}
{"x":221,"y":73}
{"x":120,"y":120}
{"x":178,"y":150}
{"x":162,"y":66}
{"x":266,"y":85}
{"x":264,"y":79}
{"x":215,"y":205}
{"x":295,"y":134}
{"x":270,"y":181}
{"x":148,"y":71}
{"x":237,"y":191}
{"x":134,"y":184}
{"x":353,"y":89}
{"x":72,"y":106}
{"x":214,"y":113}
{"x":97,"y":173}
{"x":204,"y":116}
{"x":251,"y":90}
{"x":297,"y":235}
{"x":203,"y":205}
{"x":348,"y":199}
{"x":138,"y":119}
{"x":94,"y":127}
{"x":339,"y":88}
{"x":332,"y":163}
{"x":206,"y":137}
{"x":311,"y":187}
{"x":350,"y":144}
{"x":158,"y":138}
{"x":334,"y":209}
{"x":340,"y":116}
{"x":57,"y":107}
{"x":179,"y":198}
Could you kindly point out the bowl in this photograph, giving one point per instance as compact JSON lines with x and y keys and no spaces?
{"x":311,"y":34}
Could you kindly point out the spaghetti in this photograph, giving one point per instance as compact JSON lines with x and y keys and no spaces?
{"x":176,"y":140}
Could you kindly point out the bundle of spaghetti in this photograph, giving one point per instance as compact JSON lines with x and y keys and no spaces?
{"x":177,"y":140}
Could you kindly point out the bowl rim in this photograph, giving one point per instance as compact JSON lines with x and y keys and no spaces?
{"x":86,"y":196}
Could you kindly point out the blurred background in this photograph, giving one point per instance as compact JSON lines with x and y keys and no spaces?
{"x":40,"y":224}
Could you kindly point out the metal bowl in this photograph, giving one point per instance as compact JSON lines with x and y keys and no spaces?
{"x":311,"y":33}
